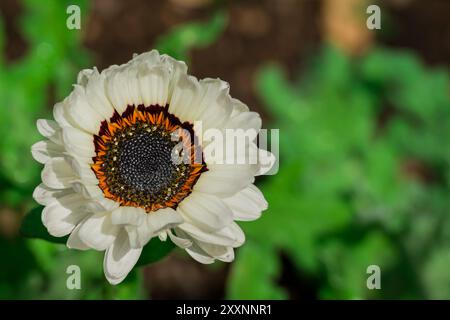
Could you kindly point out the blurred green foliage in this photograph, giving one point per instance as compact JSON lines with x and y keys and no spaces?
{"x":179,"y":41}
{"x":36,"y":269}
{"x":44,"y":74}
{"x":363,"y":180}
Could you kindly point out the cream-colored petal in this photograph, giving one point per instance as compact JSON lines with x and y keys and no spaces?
{"x":45,"y":150}
{"x":225,"y":180}
{"x":60,"y":114}
{"x":247,"y":204}
{"x":100,"y":203}
{"x":61,"y":216}
{"x":215,"y":106}
{"x":58,"y":174}
{"x":185,"y":98}
{"x":245,"y":121}
{"x":162,"y":219}
{"x":98,"y":232}
{"x":147,"y":58}
{"x":78,"y":143}
{"x":199,"y":255}
{"x":96,"y":94}
{"x":179,"y":69}
{"x":179,"y":241}
{"x":222,"y":253}
{"x":129,"y":216}
{"x":84,"y":76}
{"x":117,"y":88}
{"x":81,"y":112}
{"x":120,"y":258}
{"x":206,"y":211}
{"x":154,"y":223}
{"x":154,"y":84}
{"x":45,"y":195}
{"x":266,"y":161}
{"x":83,"y":170}
{"x":50,"y":129}
{"x":74,"y":241}
{"x":238,"y":107}
{"x":231,"y":235}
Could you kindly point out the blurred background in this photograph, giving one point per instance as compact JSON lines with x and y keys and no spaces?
{"x":364,"y":119}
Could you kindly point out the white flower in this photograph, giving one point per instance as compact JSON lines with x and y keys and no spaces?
{"x":110,"y":180}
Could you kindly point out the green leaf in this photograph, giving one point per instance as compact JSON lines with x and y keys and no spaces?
{"x":436,"y":278}
{"x":347,"y":265}
{"x":183,"y":38}
{"x":32,"y":227}
{"x":255,"y":273}
{"x":277,"y":93}
{"x":154,"y":250}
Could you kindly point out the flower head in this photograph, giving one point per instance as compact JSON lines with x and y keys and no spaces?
{"x":126,"y":160}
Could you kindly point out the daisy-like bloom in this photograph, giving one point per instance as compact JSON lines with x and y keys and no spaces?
{"x":112,"y":177}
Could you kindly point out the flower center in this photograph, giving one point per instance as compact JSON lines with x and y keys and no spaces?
{"x":147,"y":158}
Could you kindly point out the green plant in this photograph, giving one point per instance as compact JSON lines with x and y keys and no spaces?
{"x":181,"y":39}
{"x":27,"y":87}
{"x":365,"y":160}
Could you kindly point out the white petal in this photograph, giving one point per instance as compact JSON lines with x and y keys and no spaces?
{"x":229,"y":236}
{"x":266,"y":160}
{"x":78,"y":142}
{"x":83,"y":170}
{"x":45,"y":195}
{"x":179,"y":241}
{"x":247,"y":204}
{"x":49,"y":129}
{"x":193,"y":249}
{"x":44,"y":150}
{"x":117,"y":88}
{"x":134,"y":92}
{"x":162,"y":235}
{"x":179,"y":69}
{"x":162,"y":219}
{"x":238,"y":107}
{"x":74,"y":241}
{"x":62,"y":215}
{"x":129,"y":216}
{"x":101,"y":203}
{"x":206,"y":211}
{"x":84,"y":76}
{"x":154,"y":223}
{"x":199,"y":255}
{"x":215,"y":106}
{"x":96,"y":95}
{"x":139,"y":235}
{"x":150,"y":58}
{"x":57,"y":174}
{"x":120,"y":258}
{"x":88,"y":191}
{"x":225,"y":180}
{"x":185,"y":98}
{"x":98,"y":232}
{"x":222,"y":253}
{"x":245,"y":121}
{"x":60,"y":114}
{"x":82,"y":113}
{"x":154,"y":85}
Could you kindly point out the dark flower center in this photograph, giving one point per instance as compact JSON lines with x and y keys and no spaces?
{"x":140,"y":157}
